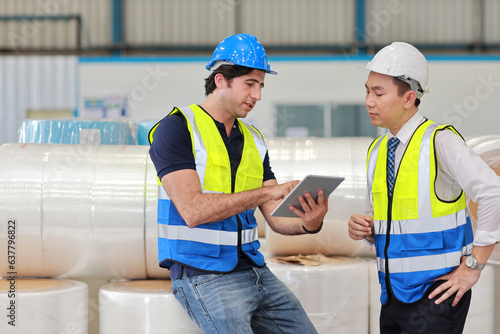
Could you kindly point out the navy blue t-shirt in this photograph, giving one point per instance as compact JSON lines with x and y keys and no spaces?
{"x":171,"y":150}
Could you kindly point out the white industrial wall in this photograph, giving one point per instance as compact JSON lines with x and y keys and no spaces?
{"x":464,"y":93}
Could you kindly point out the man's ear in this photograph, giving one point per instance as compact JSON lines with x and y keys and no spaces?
{"x":219,"y":80}
{"x":410,"y":97}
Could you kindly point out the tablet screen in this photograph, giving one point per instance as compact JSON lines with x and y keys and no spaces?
{"x":310,"y":184}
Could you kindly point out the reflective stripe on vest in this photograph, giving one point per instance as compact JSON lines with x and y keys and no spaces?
{"x":428,"y":236}
{"x":421,"y":263}
{"x":175,"y":238}
{"x":224,"y":238}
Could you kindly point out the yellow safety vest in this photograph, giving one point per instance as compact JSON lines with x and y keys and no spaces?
{"x":418,"y":236}
{"x":213,"y":246}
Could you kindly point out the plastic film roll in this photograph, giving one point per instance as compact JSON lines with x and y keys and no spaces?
{"x":119,"y":131}
{"x":496,"y":270}
{"x":146,"y":307}
{"x":143,"y":129}
{"x":475,"y":140}
{"x":67,"y":215}
{"x":119,"y":204}
{"x":480,"y":318}
{"x":334,"y":294}
{"x":152,"y":267}
{"x":42,"y":306}
{"x":21,"y":171}
{"x":374,"y":298}
{"x":294,"y":159}
{"x":481,"y":315}
{"x":481,"y":144}
{"x":488,"y":148}
{"x":79,"y":209}
{"x":332,"y":240}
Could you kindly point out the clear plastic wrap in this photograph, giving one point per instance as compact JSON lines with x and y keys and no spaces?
{"x":44,"y":306}
{"x":143,"y":129}
{"x":116,"y":131}
{"x":293,"y":159}
{"x":80,"y":210}
{"x":146,"y":306}
{"x":488,"y":148}
{"x":334,"y":294}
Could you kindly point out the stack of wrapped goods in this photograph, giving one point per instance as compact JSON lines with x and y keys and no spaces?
{"x":85,"y":218}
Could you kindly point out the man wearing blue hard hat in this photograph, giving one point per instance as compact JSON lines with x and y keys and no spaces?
{"x":214,"y":171}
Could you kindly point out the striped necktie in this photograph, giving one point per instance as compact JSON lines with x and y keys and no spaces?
{"x":391,"y":149}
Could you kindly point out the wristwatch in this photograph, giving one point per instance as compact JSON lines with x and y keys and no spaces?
{"x":471,"y":263}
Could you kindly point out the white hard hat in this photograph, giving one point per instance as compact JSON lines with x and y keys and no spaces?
{"x":404,"y":61}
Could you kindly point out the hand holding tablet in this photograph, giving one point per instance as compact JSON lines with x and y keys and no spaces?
{"x":310,"y":184}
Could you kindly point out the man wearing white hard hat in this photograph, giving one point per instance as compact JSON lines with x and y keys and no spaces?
{"x":418,"y":175}
{"x":214,"y":171}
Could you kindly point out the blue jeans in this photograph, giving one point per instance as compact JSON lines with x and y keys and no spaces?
{"x":248,"y":301}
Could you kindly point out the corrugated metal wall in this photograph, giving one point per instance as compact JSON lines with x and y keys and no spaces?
{"x":203,"y":23}
{"x":312,"y":22}
{"x":206,"y":22}
{"x":31,"y":82}
{"x":297,"y":22}
{"x":424,"y":21}
{"x":491,"y":22}
{"x":178,"y":22}
{"x":54,"y":34}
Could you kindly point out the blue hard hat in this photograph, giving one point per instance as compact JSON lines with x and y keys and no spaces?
{"x":243,"y":50}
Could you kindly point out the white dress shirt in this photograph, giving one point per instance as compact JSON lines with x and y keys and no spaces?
{"x":459,"y":167}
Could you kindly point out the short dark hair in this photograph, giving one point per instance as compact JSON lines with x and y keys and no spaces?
{"x":403,"y":87}
{"x":229,"y":72}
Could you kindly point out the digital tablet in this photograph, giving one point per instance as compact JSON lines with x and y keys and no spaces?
{"x":310,"y":184}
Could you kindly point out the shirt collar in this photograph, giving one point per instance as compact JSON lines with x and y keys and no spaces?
{"x":408,"y":129}
{"x":222,"y":127}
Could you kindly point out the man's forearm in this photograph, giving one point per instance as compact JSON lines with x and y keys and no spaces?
{"x":211,"y":207}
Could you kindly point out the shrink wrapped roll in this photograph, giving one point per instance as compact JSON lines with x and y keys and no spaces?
{"x":151,"y":237}
{"x":480,"y":318}
{"x":41,"y":306}
{"x":67,"y":215}
{"x":146,"y":307}
{"x":482,"y":144}
{"x":473,"y":141}
{"x":497,"y":298}
{"x":79,"y":209}
{"x":488,"y":148}
{"x":374,"y":298}
{"x":332,"y":240}
{"x":21,"y":173}
{"x":119,"y":204}
{"x":293,"y":159}
{"x":334,"y":294}
{"x":143,"y":129}
{"x":119,"y":131}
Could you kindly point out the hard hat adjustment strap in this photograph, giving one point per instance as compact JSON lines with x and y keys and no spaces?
{"x":218,"y":63}
{"x":414,"y":85}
